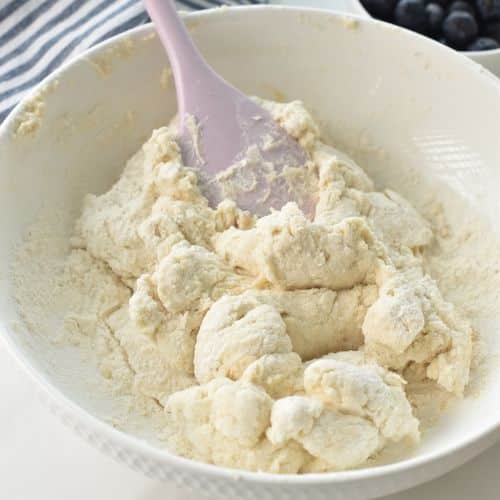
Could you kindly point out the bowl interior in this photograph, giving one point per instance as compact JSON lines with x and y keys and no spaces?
{"x":411,"y":112}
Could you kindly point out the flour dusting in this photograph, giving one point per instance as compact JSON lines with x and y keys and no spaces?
{"x":277,"y":343}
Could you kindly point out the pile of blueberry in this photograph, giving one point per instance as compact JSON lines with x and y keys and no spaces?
{"x":461,"y":24}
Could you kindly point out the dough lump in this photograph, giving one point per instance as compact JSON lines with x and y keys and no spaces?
{"x":276,"y":344}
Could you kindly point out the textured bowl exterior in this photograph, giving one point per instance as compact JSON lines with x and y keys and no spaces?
{"x":41,"y":177}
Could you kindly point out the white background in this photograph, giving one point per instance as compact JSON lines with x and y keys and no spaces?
{"x":42,"y":460}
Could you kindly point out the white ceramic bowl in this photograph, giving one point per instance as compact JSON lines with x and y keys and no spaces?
{"x":372,"y":86}
{"x":490,"y":59}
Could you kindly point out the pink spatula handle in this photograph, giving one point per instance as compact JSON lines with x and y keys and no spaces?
{"x":188,"y":66}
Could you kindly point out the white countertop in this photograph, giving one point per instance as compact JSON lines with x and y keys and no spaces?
{"x":40,"y":459}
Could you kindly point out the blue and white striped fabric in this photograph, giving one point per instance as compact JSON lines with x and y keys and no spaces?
{"x":36,"y":36}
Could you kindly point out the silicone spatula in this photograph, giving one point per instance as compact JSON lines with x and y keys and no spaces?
{"x":240,"y":150}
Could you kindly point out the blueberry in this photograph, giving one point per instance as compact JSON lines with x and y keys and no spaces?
{"x":460,"y":28}
{"x":461,"y":5}
{"x":492,"y":30}
{"x":435,"y":16}
{"x":489,"y":10}
{"x":443,"y":3}
{"x":483,"y":43}
{"x":379,"y":8}
{"x":411,"y":14}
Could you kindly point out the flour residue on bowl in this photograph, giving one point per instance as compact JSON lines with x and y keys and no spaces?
{"x":278,"y":343}
{"x":103,"y":63}
{"x":32,"y":114}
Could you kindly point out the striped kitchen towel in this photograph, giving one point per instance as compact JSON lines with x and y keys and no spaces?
{"x":36,"y":36}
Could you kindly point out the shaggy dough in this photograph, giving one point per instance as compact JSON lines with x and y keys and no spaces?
{"x":278,"y":344}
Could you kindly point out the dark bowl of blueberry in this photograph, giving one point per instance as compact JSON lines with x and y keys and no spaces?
{"x":472,"y":26}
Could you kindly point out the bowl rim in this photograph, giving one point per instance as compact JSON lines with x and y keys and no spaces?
{"x":165,"y":456}
{"x":478,"y":55}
